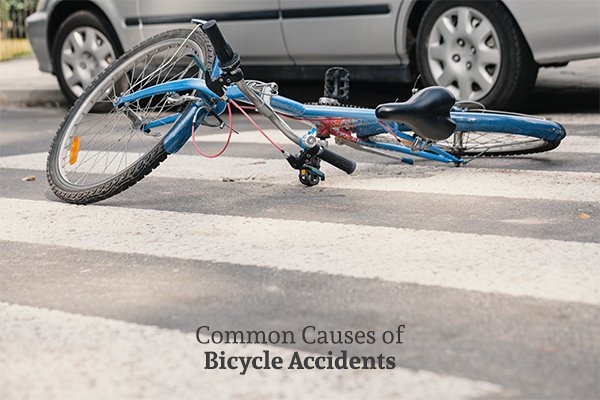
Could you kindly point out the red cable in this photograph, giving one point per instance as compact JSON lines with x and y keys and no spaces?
{"x":226,"y":143}
{"x":387,"y":128}
{"x":256,"y":125}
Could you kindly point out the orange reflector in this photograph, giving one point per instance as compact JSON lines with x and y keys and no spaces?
{"x":74,"y":150}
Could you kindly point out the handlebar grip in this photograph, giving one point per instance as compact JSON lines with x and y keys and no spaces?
{"x":346,"y":165}
{"x":226,"y":55}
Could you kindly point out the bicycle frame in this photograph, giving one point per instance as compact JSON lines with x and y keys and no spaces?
{"x":363,"y":119}
{"x":126,"y":142}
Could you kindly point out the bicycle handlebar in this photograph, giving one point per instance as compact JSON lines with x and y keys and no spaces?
{"x":228,"y":58}
{"x":338,"y":161}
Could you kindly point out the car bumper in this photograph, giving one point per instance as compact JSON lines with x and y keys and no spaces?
{"x":37,"y":29}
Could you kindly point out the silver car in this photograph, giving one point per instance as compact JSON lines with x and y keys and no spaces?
{"x":485,"y":51}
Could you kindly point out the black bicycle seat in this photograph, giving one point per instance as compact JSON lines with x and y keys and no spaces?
{"x":427,"y":113}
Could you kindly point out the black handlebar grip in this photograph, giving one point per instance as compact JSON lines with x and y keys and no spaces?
{"x":346,"y":165}
{"x":225,"y":53}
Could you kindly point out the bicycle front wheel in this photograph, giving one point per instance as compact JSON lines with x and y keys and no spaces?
{"x":100,"y":150}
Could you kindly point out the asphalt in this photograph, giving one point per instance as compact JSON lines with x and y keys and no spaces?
{"x":104,"y":296}
{"x":498,"y":290}
{"x":22,"y":84}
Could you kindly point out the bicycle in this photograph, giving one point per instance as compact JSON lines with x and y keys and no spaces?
{"x":148,"y":103}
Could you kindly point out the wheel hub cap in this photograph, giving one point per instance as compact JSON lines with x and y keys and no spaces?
{"x":84,"y":54}
{"x":463,"y":53}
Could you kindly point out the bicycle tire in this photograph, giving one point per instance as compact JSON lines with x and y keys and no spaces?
{"x":494,"y":134}
{"x":506,"y":134}
{"x":74,"y":186}
{"x":521,"y":145}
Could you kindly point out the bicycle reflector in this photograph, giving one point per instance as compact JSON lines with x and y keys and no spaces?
{"x":74,"y":150}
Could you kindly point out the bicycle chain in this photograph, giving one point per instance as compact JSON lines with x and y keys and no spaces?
{"x":337,"y":105}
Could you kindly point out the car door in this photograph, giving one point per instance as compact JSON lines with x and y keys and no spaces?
{"x":251,"y":27}
{"x":324,"y":32}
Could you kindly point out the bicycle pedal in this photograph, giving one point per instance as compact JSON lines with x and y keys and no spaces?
{"x":310,"y":176}
{"x":337,"y":84}
{"x":308,"y":169}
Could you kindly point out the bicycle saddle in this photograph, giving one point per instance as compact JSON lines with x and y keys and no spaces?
{"x":427,"y":113}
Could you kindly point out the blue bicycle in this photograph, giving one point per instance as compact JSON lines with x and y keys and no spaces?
{"x":148,"y":103}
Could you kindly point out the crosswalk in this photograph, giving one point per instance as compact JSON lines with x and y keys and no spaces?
{"x":575,"y":144}
{"x":520,"y":265}
{"x":545,"y":268}
{"x":507,"y":183}
{"x":147,"y":353}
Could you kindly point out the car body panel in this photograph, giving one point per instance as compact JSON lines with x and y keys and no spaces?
{"x":334,"y":32}
{"x":252,"y":27}
{"x":117,"y":12}
{"x":403,"y":37}
{"x":38,"y":24}
{"x":299,"y":33}
{"x":37,"y":32}
{"x":557,"y":30}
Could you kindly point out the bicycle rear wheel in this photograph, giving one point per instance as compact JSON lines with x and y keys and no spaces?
{"x":494,"y":144}
{"x":100,"y":150}
{"x":496,"y":133}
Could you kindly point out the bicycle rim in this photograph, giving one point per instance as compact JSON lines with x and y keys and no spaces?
{"x":99,"y":141}
{"x":471,"y":144}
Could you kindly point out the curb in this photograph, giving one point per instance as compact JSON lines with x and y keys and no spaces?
{"x":32,"y":98}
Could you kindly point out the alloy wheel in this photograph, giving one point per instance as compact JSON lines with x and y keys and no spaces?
{"x":463,"y":53}
{"x":85,"y":53}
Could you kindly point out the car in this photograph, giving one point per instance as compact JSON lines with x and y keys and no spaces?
{"x":483,"y":51}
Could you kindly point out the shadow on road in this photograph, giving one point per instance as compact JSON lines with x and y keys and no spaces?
{"x":558,"y":99}
{"x":572,"y":89}
{"x":545,"y":99}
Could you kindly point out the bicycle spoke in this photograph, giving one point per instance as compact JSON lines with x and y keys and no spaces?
{"x":111,"y":141}
{"x":473,"y":143}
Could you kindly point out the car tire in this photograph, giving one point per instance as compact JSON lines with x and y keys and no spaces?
{"x":83,"y":48}
{"x":475,"y":49}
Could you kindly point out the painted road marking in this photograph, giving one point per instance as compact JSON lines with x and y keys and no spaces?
{"x":63,"y":355}
{"x":505,"y":183}
{"x":571,"y":144}
{"x":546,"y":269}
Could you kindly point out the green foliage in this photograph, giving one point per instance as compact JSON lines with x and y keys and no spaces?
{"x":12,"y":17}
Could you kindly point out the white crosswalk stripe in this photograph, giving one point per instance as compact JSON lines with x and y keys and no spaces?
{"x":113,"y":359}
{"x":572,"y":143}
{"x":487,"y":263}
{"x":109,"y":358}
{"x":506,"y":183}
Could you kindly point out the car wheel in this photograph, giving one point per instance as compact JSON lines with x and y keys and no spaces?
{"x":83,"y":48}
{"x":475,"y":49}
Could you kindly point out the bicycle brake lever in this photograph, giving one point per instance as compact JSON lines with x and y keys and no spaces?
{"x":218,"y":118}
